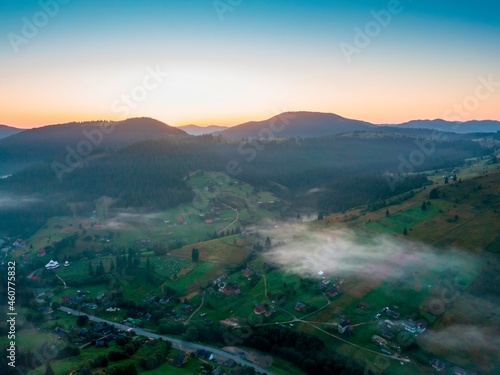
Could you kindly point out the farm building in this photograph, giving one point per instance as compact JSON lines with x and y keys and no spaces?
{"x":52,"y":265}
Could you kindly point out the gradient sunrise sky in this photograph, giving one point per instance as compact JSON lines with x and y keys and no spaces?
{"x":228,"y":64}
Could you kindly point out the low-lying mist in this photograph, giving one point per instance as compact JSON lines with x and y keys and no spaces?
{"x":371,"y":258}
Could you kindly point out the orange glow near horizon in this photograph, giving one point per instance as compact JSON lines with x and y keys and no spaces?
{"x":34,"y":120}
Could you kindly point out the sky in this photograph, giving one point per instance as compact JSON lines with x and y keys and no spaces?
{"x":225,"y":62}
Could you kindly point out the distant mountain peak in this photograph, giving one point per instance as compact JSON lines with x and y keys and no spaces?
{"x":298,"y":124}
{"x":201,"y":130}
{"x":471,"y":126}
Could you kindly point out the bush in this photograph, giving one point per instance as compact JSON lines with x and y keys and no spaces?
{"x":117,"y":355}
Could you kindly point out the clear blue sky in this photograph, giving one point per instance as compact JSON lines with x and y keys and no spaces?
{"x":228,"y":64}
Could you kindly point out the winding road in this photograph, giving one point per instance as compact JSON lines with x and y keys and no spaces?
{"x":176,"y":343}
{"x":234,"y":221}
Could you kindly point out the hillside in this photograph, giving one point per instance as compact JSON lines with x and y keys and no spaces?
{"x":327,"y":173}
{"x":6,"y":131}
{"x":54,"y":141}
{"x":297,"y":124}
{"x":201,"y":130}
{"x":475,"y":126}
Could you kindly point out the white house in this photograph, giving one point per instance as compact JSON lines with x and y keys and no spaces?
{"x":52,"y":265}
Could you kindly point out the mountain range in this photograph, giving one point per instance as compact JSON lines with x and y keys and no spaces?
{"x":201,"y":130}
{"x":54,"y":141}
{"x":7,"y":131}
{"x":20,"y":148}
{"x":473,"y":126}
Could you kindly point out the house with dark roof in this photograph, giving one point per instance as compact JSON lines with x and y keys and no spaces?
{"x":101,"y":344}
{"x":437,"y":364}
{"x":391,"y":313}
{"x":204,"y":354}
{"x":187,"y":309}
{"x":344,"y":326}
{"x":333,"y":291}
{"x":180,"y":359}
{"x":299,"y":306}
{"x":421,"y":327}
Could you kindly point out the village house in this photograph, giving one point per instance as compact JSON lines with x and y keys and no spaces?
{"x":333,"y":291}
{"x":260,"y":308}
{"x":41,"y":252}
{"x":247,"y":272}
{"x":219,"y":280}
{"x":437,"y":364}
{"x":345,"y":327}
{"x":187,"y":309}
{"x":389,"y":312}
{"x":231,"y":288}
{"x":410,"y":327}
{"x":299,"y":306}
{"x":180,"y":360}
{"x":204,"y":354}
{"x":387,"y":334}
{"x":263,"y":308}
{"x":379,"y":340}
{"x":52,"y":265}
{"x":19,"y":243}
{"x":421,"y":327}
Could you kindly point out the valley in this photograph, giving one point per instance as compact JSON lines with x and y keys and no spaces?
{"x":385,"y":302}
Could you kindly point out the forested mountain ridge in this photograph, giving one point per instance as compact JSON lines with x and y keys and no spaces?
{"x":473,"y":126}
{"x":56,"y":141}
{"x":7,"y":131}
{"x":328,"y":173}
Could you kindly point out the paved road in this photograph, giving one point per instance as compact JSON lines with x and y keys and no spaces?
{"x":176,"y":343}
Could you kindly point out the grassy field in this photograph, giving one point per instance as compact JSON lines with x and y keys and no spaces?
{"x":465,"y":217}
{"x":220,"y":203}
